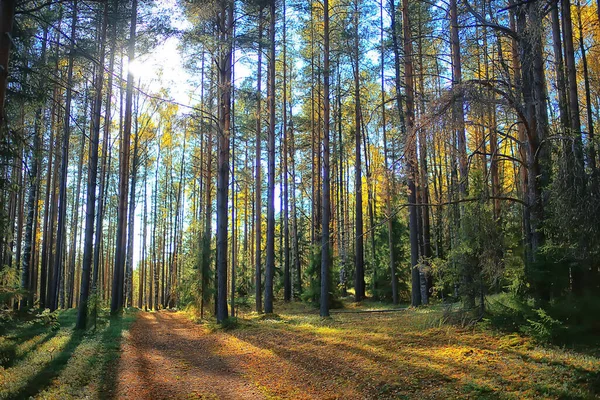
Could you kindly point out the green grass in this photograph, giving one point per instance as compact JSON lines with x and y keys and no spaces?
{"x":47,"y":358}
{"x":405,"y":354}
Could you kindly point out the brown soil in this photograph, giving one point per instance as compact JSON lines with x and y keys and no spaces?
{"x":166,"y":356}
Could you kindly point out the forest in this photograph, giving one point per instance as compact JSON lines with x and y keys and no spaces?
{"x":299,"y":199}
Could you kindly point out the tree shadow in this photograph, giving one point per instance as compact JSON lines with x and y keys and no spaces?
{"x":9,"y":357}
{"x":44,"y":378}
{"x":111,"y":340}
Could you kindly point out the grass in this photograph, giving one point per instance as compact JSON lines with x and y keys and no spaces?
{"x":404,"y":354}
{"x":47,"y":358}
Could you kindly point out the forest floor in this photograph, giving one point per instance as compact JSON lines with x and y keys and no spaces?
{"x":297,"y":355}
{"x":402,"y":354}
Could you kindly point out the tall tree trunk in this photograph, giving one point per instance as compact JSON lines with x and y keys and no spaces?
{"x":258,"y":188}
{"x":411,"y":157}
{"x":388,"y":168}
{"x":131,"y":216}
{"x":90,"y":207}
{"x":359,"y":260}
{"x":287,"y":278}
{"x":27,"y":281}
{"x":116,"y":303}
{"x":62,"y":200}
{"x":75,"y":212}
{"x":270,"y":250}
{"x":102,"y":191}
{"x":225,"y":27}
{"x":142,"y":299}
{"x":326,"y":203}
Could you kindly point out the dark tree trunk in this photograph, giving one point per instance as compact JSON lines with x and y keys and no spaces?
{"x":116,"y":303}
{"x":270,"y":250}
{"x":90,"y":207}
{"x":7,"y":13}
{"x":326,"y":203}
{"x":258,"y":187}
{"x":225,"y":27}
{"x":359,"y":260}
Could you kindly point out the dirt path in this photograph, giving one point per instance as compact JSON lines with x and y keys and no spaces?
{"x":166,"y":356}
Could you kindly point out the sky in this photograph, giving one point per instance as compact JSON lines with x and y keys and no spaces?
{"x":163,"y":68}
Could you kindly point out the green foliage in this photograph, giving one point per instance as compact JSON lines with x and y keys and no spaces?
{"x":570,"y":320}
{"x":47,"y":318}
{"x":9,"y":285}
{"x":229,"y":323}
{"x":382,"y":289}
{"x":313,"y":292}
{"x":477,"y":260}
{"x":544,"y":327}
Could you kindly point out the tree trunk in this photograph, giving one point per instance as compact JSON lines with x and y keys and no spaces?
{"x":62,"y":200}
{"x":258,"y":188}
{"x":359,"y":274}
{"x":27,"y":283}
{"x":7,"y":14}
{"x":90,"y":207}
{"x":270,"y":250}
{"x":226,"y":23}
{"x":326,"y":204}
{"x":116,"y":303}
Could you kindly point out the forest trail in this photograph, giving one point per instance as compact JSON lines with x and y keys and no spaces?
{"x":351,"y":356}
{"x":166,"y":356}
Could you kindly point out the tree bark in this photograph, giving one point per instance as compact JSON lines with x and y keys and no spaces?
{"x":270,"y":264}
{"x":258,"y":188}
{"x":226,"y":22}
{"x":326,"y":203}
{"x":359,"y":260}
{"x":116,"y":303}
{"x":90,"y":207}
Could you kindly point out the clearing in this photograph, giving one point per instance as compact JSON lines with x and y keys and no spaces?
{"x":296,"y":355}
{"x":352,"y":356}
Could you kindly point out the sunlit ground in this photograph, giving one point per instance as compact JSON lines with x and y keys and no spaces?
{"x":404,"y":354}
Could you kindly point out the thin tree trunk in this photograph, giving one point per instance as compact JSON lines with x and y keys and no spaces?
{"x":27,"y":281}
{"x":258,"y":189}
{"x":62,"y":201}
{"x":287,"y":278}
